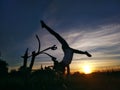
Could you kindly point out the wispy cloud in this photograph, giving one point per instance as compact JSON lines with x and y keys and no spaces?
{"x":102,"y":41}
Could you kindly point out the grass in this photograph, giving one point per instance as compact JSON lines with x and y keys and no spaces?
{"x":48,"y":80}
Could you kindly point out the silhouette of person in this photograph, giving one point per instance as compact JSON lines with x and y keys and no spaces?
{"x":56,"y":65}
{"x":53,"y":59}
{"x":68,"y":51}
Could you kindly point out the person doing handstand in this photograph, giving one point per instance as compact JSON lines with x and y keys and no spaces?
{"x":56,"y":65}
{"x":68,"y":51}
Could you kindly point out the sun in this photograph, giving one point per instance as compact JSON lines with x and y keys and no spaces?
{"x":87,"y":69}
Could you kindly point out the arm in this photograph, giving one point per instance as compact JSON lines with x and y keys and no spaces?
{"x":52,"y":58}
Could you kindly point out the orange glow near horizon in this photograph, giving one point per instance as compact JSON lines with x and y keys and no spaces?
{"x":86,"y":69}
{"x":90,"y":66}
{"x":82,"y":66}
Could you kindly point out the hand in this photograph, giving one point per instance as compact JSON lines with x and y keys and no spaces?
{"x":43,"y":24}
{"x":88,"y":54}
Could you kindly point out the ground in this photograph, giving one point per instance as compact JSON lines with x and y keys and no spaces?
{"x":47,"y":80}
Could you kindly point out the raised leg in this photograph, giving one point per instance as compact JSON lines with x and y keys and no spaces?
{"x":59,"y":38}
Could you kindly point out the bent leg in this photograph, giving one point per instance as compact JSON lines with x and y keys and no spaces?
{"x":82,"y":52}
{"x":59,"y":38}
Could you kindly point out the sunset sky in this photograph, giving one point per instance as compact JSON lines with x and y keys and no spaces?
{"x":88,"y":25}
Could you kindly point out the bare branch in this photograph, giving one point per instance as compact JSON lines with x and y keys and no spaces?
{"x":38,"y":43}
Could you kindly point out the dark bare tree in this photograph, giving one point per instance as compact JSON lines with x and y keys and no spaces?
{"x":34,"y":53}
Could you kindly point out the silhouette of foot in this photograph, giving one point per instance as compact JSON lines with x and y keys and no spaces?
{"x":89,"y":55}
{"x":42,"y":24}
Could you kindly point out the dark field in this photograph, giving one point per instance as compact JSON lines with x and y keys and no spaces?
{"x":48,"y":80}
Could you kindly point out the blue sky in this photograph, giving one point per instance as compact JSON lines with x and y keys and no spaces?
{"x":90,"y":25}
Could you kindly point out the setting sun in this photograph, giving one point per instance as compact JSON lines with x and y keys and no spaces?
{"x":87,"y":69}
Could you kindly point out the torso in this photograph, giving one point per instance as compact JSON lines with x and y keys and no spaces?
{"x":68,"y":55}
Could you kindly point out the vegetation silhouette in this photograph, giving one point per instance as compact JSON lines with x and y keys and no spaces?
{"x":68,"y":51}
{"x":46,"y":79}
{"x":3,"y":68}
{"x":24,"y":68}
{"x":25,"y":57}
{"x":34,"y":54}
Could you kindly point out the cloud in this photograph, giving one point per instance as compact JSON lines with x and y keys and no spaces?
{"x":102,"y":41}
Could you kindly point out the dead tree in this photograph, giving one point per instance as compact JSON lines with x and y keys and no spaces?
{"x":34,"y":54}
{"x":25,"y":57}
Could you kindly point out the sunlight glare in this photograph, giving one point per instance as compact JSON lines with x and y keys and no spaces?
{"x":87,"y":69}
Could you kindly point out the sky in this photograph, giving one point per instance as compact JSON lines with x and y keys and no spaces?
{"x":88,"y":25}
